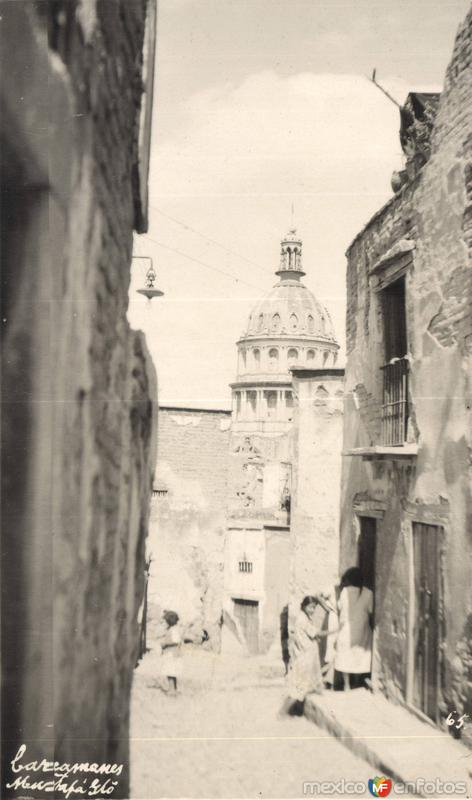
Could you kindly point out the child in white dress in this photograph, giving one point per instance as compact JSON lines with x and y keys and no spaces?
{"x":170,"y":664}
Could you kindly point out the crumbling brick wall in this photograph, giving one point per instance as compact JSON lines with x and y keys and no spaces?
{"x":79,"y":387}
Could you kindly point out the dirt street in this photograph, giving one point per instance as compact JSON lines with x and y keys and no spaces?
{"x":221,"y":736}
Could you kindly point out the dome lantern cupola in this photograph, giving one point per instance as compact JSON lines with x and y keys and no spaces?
{"x":291,"y":257}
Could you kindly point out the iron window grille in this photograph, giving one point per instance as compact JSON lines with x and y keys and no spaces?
{"x":395,"y":410}
{"x":395,"y":402}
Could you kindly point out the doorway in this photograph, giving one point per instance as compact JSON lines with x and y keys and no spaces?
{"x":247,"y":614}
{"x":426,"y":618}
{"x":366,"y":548}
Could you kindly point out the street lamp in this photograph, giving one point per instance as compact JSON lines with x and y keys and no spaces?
{"x":149,"y":289}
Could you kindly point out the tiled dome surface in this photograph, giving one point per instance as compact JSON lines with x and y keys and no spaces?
{"x":290,"y":310}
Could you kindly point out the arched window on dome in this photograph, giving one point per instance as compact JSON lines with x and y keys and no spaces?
{"x":275,"y":324}
{"x":243,"y":358}
{"x":256,"y":353}
{"x":325,"y":357}
{"x":293,"y":322}
{"x":273,"y":358}
{"x":292,"y":356}
{"x":251,"y":404}
{"x":260,"y":322}
{"x":323,"y":324}
{"x":310,"y":356}
{"x":310,"y":324}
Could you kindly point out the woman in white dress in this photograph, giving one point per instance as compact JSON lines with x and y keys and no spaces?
{"x":354,"y":644}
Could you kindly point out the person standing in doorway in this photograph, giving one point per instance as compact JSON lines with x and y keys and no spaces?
{"x":354,"y":644}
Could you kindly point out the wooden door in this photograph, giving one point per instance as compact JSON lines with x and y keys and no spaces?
{"x":426,"y":619}
{"x":247,"y":614}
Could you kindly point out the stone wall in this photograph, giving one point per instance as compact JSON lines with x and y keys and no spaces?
{"x":186,"y":540}
{"x":78,"y":385}
{"x":426,"y":229}
{"x":259,"y":475}
{"x":316,"y":442}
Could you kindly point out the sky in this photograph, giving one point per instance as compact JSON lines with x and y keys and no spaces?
{"x":261,"y":105}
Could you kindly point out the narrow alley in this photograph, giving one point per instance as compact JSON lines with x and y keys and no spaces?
{"x":221,"y":735}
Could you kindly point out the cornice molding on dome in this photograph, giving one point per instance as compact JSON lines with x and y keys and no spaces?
{"x":286,"y":339}
{"x":292,"y":283}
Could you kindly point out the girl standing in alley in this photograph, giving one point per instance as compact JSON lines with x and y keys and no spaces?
{"x":171,"y":647}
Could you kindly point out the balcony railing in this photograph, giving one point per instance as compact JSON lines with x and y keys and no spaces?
{"x":395,"y":402}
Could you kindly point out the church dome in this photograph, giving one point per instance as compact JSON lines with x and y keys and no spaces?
{"x":286,"y":330}
{"x":290,"y":310}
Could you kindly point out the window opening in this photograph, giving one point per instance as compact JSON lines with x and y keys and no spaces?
{"x":395,"y":368}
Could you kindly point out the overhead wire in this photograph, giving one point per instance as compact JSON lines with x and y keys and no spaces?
{"x":203,"y":263}
{"x":210,"y":239}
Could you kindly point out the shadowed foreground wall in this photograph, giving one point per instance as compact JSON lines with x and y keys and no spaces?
{"x":78,"y":386}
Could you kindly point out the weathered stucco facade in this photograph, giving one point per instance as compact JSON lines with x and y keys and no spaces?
{"x":78,"y":386}
{"x":316,"y":453}
{"x":407,"y":431}
{"x":188,"y":515}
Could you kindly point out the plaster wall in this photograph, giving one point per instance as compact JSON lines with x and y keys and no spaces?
{"x":248,"y":542}
{"x":186,"y":537}
{"x":316,"y":443}
{"x":434,"y":214}
{"x":267,"y":549}
{"x":276,"y":582}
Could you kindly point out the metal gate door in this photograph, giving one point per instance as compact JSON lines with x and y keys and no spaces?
{"x":426,"y":620}
{"x":247,"y":614}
